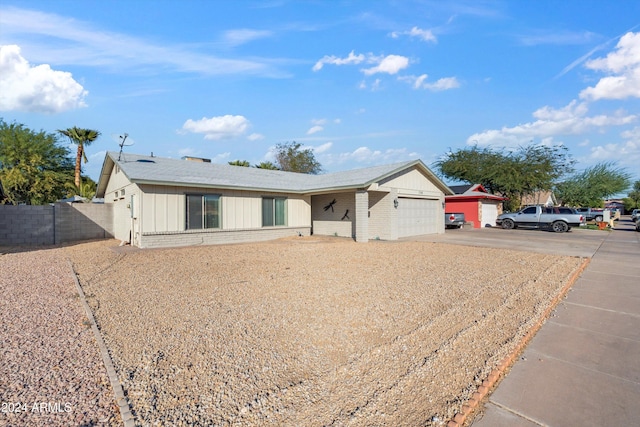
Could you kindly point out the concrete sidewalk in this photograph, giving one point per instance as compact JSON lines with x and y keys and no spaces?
{"x":583,"y":366}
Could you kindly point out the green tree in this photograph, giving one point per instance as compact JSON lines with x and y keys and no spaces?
{"x":512,"y":174}
{"x":34,"y":168}
{"x":632,"y":201}
{"x":244,"y":163}
{"x":591,"y":186}
{"x":82,"y":138}
{"x":267,"y":165}
{"x":87,"y":188}
{"x":290,"y":157}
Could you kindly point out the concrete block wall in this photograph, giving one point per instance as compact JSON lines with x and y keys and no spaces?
{"x":213,"y":237}
{"x":54,"y":224}
{"x":82,"y":221}
{"x":26,"y":225}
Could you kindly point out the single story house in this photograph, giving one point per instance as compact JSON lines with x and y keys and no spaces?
{"x":161,"y":202}
{"x":544,"y":198}
{"x":480,"y":207}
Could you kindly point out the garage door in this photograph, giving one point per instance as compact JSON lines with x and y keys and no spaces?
{"x":417,"y":216}
{"x":489,"y":214}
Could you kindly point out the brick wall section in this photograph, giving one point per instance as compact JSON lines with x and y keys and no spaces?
{"x":54,"y":224}
{"x":362,"y":216}
{"x":213,"y":237}
{"x":383,"y":218}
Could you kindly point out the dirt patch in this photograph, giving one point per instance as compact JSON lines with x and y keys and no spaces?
{"x":312,"y":331}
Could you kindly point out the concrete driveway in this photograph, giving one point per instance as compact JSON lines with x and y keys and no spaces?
{"x":582,"y":368}
{"x":577,"y":242}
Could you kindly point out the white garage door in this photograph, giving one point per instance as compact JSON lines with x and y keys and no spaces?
{"x":489,"y":214}
{"x":417,"y":216}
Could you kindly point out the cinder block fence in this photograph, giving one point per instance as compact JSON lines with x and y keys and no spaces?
{"x":54,"y":224}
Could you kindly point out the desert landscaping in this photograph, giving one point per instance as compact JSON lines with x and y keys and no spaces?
{"x":298,"y":331}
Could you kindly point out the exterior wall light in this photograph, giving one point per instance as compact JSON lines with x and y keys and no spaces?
{"x":395,"y":203}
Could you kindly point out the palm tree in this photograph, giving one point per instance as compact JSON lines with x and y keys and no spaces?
{"x":267,"y":165}
{"x":240,"y":163}
{"x":82,"y":138}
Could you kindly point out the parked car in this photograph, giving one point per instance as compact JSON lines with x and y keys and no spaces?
{"x":453,"y":220}
{"x":634,"y":215}
{"x":591,"y":214}
{"x":637,"y":225}
{"x":558,"y":218}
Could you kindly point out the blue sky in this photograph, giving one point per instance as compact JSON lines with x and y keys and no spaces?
{"x":361,"y":82}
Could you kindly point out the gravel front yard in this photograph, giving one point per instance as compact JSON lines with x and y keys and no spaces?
{"x":51,"y":373}
{"x":311,"y":331}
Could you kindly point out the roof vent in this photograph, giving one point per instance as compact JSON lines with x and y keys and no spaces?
{"x":145,"y":161}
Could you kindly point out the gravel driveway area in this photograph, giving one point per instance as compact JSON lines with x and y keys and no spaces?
{"x":51,"y":372}
{"x":311,"y":331}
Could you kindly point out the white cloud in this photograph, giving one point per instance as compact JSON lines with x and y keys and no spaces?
{"x":221,"y":158}
{"x":315,"y":129}
{"x":390,"y":64}
{"x":623,"y":65}
{"x":322,"y":148}
{"x":319,"y":125}
{"x":352,"y":58}
{"x":368,"y":156}
{"x":419,"y":82}
{"x":570,"y":120}
{"x":424,"y":35}
{"x":255,"y":137}
{"x":36,"y":88}
{"x":444,"y":83}
{"x":57,"y":39}
{"x":625,"y":153}
{"x":216,"y":128}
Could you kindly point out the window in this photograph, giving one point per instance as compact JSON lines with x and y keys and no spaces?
{"x":274,"y":211}
{"x":530,"y":210}
{"x":203,"y":211}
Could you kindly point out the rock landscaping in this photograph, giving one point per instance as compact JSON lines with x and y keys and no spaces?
{"x":51,"y":372}
{"x":300,"y":331}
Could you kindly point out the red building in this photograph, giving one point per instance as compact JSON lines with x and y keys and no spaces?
{"x":480,"y":207}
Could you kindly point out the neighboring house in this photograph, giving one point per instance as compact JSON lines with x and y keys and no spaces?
{"x":169,"y":202}
{"x":614,"y":204}
{"x":480,"y":207}
{"x":545,"y":198}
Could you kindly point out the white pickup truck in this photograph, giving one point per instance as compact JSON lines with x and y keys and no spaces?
{"x":556,"y":218}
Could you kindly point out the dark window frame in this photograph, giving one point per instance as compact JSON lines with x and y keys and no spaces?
{"x":274,"y":211}
{"x":203,"y":215}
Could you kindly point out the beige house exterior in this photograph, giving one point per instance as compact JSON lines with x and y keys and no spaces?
{"x":160,"y":202}
{"x":545,"y":198}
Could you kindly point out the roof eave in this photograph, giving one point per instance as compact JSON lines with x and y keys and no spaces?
{"x":105,"y":173}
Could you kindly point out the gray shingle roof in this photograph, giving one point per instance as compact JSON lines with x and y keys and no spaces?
{"x":164,"y":171}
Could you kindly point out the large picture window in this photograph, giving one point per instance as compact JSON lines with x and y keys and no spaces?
{"x":203,"y":211}
{"x":274,"y":211}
